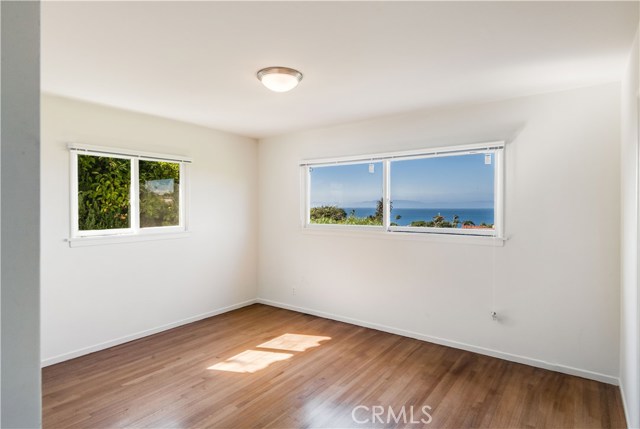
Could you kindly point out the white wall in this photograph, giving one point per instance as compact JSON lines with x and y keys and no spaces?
{"x":94,"y":297}
{"x":629,"y":304}
{"x":20,"y":249}
{"x":556,"y":279}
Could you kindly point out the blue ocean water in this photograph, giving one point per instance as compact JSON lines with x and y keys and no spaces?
{"x":407,"y":216}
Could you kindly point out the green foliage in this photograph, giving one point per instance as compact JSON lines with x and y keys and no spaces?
{"x":354,"y":220}
{"x":438,"y":221}
{"x":379,"y":210}
{"x":379,"y":214}
{"x":331,"y":214}
{"x":337,"y":216}
{"x":103,"y":192}
{"x":349,"y":220}
{"x":159,"y":208}
{"x":104,"y":185}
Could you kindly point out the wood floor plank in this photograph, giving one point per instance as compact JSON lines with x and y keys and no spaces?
{"x":165,"y":381}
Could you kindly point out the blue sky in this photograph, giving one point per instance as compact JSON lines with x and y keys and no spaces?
{"x":463,"y":181}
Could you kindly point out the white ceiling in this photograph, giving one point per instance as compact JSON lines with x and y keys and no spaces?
{"x":196,"y":61}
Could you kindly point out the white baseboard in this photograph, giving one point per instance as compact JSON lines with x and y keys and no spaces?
{"x":455,"y":344}
{"x":105,"y":345}
{"x":436,"y":340}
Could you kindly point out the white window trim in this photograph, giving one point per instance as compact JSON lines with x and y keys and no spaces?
{"x":418,"y":153}
{"x":378,"y":233}
{"x":127,"y":238}
{"x":134,"y":232}
{"x":128,"y":153}
{"x":494,"y":236}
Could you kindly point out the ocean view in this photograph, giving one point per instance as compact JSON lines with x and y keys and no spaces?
{"x":477,"y":216}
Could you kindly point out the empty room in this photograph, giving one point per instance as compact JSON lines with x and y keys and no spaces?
{"x":323,"y":214}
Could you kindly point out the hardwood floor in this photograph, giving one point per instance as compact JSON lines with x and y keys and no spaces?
{"x":219,"y":373}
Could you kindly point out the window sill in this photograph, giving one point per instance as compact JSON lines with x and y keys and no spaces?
{"x":117,"y":239}
{"x":377,"y":232}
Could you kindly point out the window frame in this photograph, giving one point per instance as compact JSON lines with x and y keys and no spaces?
{"x":496,"y":148}
{"x":134,"y":158}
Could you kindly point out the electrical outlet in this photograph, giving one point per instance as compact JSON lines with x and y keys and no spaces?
{"x":293,"y":291}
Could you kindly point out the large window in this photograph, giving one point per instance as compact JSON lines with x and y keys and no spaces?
{"x":455,"y":190}
{"x":123,"y":193}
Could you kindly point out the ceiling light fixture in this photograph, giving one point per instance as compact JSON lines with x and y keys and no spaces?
{"x":279,"y":79}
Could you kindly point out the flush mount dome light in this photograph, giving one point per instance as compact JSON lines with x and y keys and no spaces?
{"x":279,"y":79}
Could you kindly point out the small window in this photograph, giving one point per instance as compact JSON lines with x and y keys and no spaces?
{"x":349,"y":194}
{"x":455,"y":190}
{"x":125,"y":193}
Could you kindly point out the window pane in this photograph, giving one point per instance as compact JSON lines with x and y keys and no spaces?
{"x":103,"y":192}
{"x":159,"y":193}
{"x":444,"y":192}
{"x":347,"y":194}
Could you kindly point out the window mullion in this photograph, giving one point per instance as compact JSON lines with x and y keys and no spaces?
{"x":307,"y":201}
{"x":498,"y":192}
{"x":386,"y":194}
{"x":75,"y":207}
{"x":135,"y":195}
{"x":182,"y":197}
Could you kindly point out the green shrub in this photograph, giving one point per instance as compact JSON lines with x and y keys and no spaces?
{"x":350,"y":220}
{"x":159,"y":208}
{"x":103,"y":192}
{"x":438,"y":221}
{"x":327,"y":214}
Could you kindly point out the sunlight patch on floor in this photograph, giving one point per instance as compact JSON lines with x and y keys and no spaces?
{"x":250,"y":361}
{"x":294,"y":342}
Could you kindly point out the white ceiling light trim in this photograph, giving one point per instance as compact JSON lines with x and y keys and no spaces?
{"x":279,"y":79}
